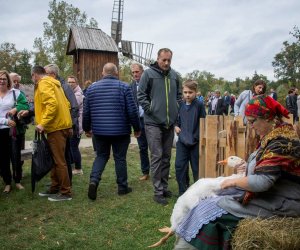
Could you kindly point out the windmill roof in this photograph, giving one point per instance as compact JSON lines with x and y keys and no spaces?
{"x":82,"y":38}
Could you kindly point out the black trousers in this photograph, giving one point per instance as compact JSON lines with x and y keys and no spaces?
{"x":17,"y":144}
{"x":5,"y":155}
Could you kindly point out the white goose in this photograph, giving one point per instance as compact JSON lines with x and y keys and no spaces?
{"x":201,"y":189}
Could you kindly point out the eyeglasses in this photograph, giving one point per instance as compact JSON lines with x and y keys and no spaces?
{"x":71,"y":82}
{"x":252,"y":121}
{"x":3,"y":79}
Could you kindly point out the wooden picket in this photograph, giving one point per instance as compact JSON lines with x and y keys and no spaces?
{"x":223,"y":136}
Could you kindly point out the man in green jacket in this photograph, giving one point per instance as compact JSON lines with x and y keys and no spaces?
{"x":159,"y":93}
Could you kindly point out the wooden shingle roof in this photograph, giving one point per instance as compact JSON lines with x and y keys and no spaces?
{"x":81,"y":38}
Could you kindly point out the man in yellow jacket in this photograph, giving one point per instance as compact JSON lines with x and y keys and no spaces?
{"x":52,"y":116}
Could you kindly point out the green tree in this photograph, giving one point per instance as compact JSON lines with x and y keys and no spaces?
{"x":205,"y":80}
{"x":287,"y":62}
{"x":9,"y":56}
{"x":40,"y":55}
{"x":23,"y":66}
{"x":124,"y":69}
{"x":15,"y":61}
{"x":52,"y":46}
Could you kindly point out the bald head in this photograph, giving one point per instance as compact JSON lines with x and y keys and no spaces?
{"x":110,"y":69}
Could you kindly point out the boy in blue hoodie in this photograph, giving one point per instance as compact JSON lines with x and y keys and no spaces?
{"x":187,"y":128}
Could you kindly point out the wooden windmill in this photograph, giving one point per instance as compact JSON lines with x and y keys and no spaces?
{"x":92,"y":48}
{"x":137,"y":51}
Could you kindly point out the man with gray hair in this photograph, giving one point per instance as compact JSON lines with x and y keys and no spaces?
{"x":137,"y":71}
{"x":109,"y":112}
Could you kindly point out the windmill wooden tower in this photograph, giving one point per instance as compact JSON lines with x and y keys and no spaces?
{"x":92,"y":48}
{"x":138,"y":51}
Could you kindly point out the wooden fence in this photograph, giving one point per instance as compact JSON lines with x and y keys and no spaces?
{"x":220,"y":137}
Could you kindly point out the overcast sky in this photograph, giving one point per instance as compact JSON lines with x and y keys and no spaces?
{"x":228,"y":38}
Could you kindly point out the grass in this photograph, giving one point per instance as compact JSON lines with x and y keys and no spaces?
{"x":28,"y":221}
{"x":29,"y":136}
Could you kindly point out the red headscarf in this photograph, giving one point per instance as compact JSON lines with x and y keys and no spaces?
{"x":265,"y":107}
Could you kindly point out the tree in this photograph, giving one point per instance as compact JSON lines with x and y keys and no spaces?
{"x":9,"y":56}
{"x":287,"y":62}
{"x":205,"y":80}
{"x":23,"y":67}
{"x":15,"y":61}
{"x":52,"y":46}
{"x":124,"y":69}
{"x":41,"y":57}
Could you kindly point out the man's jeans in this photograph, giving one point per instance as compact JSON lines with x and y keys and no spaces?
{"x":160,"y":142}
{"x":119,"y":146}
{"x":143,"y":146}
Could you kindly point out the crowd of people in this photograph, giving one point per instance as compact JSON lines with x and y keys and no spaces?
{"x":154,"y":106}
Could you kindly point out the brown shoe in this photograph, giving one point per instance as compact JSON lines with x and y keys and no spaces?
{"x":144,"y":177}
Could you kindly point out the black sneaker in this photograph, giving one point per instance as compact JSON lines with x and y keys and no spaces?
{"x":47,"y":193}
{"x":125,"y":191}
{"x":92,"y":193}
{"x":160,"y":200}
{"x":60,"y":197}
{"x":167,"y":194}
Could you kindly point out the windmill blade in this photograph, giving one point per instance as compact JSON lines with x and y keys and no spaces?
{"x":117,"y":20}
{"x":139,"y":51}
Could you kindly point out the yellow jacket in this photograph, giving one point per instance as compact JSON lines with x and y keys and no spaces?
{"x":52,"y":108}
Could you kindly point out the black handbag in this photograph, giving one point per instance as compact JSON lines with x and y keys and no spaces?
{"x":42,"y":160}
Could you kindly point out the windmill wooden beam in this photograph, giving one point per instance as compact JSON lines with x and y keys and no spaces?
{"x":139,"y":51}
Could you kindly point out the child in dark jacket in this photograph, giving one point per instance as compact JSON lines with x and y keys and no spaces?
{"x":187,"y":128}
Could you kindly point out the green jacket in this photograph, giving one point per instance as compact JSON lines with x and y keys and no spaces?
{"x":159,"y":95}
{"x":21,"y":104}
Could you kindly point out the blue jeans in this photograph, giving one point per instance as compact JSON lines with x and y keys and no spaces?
{"x":143,"y":146}
{"x":184,"y":155}
{"x":119,"y":146}
{"x":76,"y":155}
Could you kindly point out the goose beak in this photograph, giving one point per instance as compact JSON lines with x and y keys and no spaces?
{"x":224,"y":162}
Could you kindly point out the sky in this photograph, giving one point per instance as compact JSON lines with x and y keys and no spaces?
{"x":228,"y":38}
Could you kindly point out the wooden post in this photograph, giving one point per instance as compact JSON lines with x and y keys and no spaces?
{"x":241,"y":142}
{"x":232,"y":142}
{"x":202,"y":143}
{"x":211,"y":132}
{"x":221,"y":146}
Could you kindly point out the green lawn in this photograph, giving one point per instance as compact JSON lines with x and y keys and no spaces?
{"x":28,"y":221}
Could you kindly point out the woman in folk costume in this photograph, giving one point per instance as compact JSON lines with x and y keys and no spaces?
{"x":271,"y":186}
